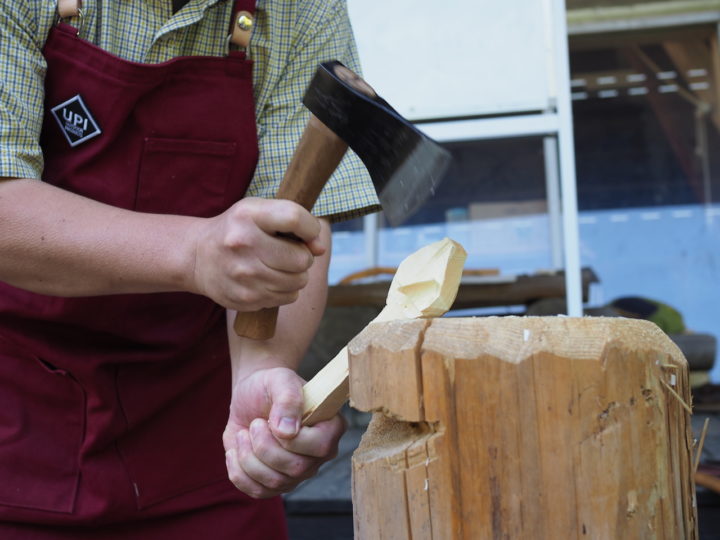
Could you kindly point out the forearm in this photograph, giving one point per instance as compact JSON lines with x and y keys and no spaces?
{"x":296,"y":325}
{"x":55,"y":242}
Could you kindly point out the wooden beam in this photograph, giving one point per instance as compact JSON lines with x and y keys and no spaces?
{"x":688,"y":55}
{"x":715,"y":74}
{"x":640,"y":37}
{"x":594,"y":18}
{"x":684,"y":154}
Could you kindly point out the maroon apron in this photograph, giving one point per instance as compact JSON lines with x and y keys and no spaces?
{"x":112,"y":408}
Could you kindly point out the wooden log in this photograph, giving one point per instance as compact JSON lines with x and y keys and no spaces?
{"x":522,"y":428}
{"x":425,"y":285}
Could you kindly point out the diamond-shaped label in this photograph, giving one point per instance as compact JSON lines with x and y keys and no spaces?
{"x":75,"y":121}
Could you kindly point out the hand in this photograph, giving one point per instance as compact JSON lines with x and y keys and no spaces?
{"x":242,"y":264}
{"x":266,"y":450}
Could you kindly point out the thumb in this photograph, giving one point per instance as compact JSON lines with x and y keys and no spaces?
{"x":286,"y":398}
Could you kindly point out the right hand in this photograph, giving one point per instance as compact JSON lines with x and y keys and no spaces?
{"x":242,"y":264}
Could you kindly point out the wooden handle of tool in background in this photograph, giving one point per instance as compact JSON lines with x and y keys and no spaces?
{"x":707,"y":481}
{"x":316,"y":157}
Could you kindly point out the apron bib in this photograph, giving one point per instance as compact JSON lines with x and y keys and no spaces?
{"x":113,"y":407}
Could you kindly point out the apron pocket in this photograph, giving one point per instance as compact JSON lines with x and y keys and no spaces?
{"x":42,"y":417}
{"x":185,"y":177}
{"x":176,"y":413}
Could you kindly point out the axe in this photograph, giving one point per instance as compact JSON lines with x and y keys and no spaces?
{"x":405,"y":165}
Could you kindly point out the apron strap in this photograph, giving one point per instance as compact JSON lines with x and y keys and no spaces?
{"x":240,"y":31}
{"x":68,"y":8}
{"x":242,"y":23}
{"x":71,"y":8}
{"x":245,"y":5}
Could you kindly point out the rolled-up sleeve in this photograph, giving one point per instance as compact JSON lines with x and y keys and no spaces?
{"x":22,"y":72}
{"x":287,"y":53}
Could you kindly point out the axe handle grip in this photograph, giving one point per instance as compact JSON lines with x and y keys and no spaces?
{"x":316,"y":157}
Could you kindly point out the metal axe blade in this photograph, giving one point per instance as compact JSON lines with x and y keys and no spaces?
{"x":405,"y":165}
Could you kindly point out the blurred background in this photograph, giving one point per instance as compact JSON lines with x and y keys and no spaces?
{"x":642,"y":91}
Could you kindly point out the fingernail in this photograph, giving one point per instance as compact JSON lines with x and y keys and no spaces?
{"x":255,"y":427}
{"x":288,"y":425}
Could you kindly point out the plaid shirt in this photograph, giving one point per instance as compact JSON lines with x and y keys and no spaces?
{"x":289,"y":39}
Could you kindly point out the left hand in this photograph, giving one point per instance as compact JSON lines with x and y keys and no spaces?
{"x":267,"y":452}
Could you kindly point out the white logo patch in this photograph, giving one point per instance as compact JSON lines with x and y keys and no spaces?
{"x":75,"y":121}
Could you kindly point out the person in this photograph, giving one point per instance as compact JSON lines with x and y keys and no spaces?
{"x":139,"y":153}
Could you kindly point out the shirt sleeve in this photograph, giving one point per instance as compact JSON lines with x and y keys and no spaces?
{"x":287,"y":47}
{"x":22,"y":73}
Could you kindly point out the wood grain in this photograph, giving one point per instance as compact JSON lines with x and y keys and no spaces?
{"x":522,"y":428}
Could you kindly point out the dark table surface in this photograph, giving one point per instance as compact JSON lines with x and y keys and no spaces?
{"x":474,"y":292}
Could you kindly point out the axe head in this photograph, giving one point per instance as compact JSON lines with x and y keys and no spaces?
{"x":405,"y":165}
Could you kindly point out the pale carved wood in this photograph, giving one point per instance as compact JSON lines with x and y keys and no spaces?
{"x":425,"y":285}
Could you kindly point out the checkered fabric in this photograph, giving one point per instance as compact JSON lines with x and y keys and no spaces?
{"x":289,"y":39}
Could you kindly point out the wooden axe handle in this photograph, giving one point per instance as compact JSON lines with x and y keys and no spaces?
{"x":316,"y":157}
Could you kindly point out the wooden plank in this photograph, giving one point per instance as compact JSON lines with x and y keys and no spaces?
{"x":694,"y":54}
{"x":715,"y":74}
{"x":518,"y":290}
{"x":640,"y":36}
{"x":664,"y":111}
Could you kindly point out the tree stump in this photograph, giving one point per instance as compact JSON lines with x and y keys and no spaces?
{"x":522,"y":428}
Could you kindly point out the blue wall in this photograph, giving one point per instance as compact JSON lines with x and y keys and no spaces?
{"x":669,"y":253}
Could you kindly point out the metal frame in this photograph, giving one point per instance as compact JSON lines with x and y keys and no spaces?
{"x":546,"y":124}
{"x":554,"y":200}
{"x":492,"y":128}
{"x":568,"y":182}
{"x":556,"y":127}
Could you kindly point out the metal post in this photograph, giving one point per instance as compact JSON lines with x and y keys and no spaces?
{"x":370,"y":229}
{"x":571,"y":236}
{"x":702,"y":151}
{"x":552,"y":191}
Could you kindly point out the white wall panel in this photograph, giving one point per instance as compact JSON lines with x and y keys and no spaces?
{"x":458,"y":57}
